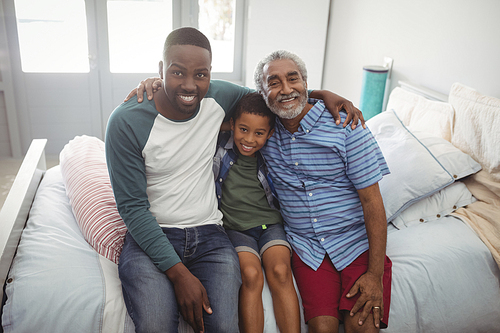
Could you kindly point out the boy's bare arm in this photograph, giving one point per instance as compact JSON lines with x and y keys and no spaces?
{"x":370,"y":284}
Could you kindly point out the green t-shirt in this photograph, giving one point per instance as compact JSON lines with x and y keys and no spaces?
{"x":244,"y":203}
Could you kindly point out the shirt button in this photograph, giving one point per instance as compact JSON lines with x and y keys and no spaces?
{"x":310,"y":194}
{"x":322,"y":239}
{"x":307,"y":131}
{"x":315,"y":220}
{"x":220,"y":180}
{"x":231,"y":163}
{"x":438,"y":215}
{"x":296,"y":163}
{"x":421,"y":220}
{"x":293,"y":139}
{"x":218,"y":196}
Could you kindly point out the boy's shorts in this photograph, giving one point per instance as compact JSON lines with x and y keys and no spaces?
{"x":324,"y":291}
{"x":257,"y":240}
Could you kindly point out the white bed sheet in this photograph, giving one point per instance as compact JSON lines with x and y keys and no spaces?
{"x":444,"y":279}
{"x":57,"y":282}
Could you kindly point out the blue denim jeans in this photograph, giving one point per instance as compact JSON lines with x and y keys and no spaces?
{"x":149,"y":295}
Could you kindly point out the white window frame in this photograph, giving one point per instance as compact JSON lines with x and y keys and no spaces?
{"x":185,"y":13}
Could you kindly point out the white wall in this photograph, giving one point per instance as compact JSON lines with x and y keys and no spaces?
{"x":294,"y":25}
{"x":434,"y":43}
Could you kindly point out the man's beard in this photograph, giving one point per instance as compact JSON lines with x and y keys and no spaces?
{"x":181,"y":108}
{"x":289,"y":112}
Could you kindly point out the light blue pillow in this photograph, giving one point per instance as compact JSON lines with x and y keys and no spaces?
{"x":458,"y":163}
{"x":416,"y":172}
{"x":435,"y":207}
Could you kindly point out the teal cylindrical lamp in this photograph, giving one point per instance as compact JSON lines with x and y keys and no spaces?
{"x":373,"y":90}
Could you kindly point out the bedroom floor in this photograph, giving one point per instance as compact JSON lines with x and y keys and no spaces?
{"x":8,"y":170}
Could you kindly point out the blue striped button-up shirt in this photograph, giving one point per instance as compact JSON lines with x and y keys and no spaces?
{"x":316,"y":172}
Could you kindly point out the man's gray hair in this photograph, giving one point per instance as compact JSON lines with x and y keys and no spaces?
{"x":277,"y":55}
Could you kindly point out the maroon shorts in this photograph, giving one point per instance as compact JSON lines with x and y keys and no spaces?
{"x":323,"y":292}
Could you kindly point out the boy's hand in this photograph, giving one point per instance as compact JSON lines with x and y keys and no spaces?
{"x":151,"y":85}
{"x":191,"y":296}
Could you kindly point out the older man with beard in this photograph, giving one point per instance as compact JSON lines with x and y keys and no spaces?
{"x":326,"y":176}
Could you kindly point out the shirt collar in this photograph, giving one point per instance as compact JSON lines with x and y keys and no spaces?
{"x":230,"y":142}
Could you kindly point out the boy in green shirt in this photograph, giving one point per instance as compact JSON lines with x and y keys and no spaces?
{"x":251,"y":217}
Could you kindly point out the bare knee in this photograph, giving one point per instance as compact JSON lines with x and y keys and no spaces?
{"x":252,"y":278}
{"x":280,"y":274}
{"x":323,"y":324}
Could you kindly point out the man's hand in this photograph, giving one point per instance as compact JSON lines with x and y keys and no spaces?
{"x":191,"y":296}
{"x":335,"y":103}
{"x":150,"y":85}
{"x":371,"y":288}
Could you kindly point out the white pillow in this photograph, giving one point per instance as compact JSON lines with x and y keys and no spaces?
{"x":459,"y":164}
{"x":402,"y":102}
{"x":421,"y":113}
{"x":477,"y":126}
{"x":415,"y":172}
{"x":435,"y":207}
{"x":433,"y":117}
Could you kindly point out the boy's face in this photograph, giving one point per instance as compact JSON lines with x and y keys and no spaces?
{"x":251,"y":132}
{"x":186,"y":76}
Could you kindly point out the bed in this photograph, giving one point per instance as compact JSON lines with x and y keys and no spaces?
{"x":61,"y":236}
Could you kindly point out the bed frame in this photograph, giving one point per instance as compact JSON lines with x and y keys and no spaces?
{"x":15,"y":210}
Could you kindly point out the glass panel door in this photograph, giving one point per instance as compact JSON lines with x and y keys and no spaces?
{"x":216,"y":19}
{"x":136,"y":32}
{"x":52,"y":36}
